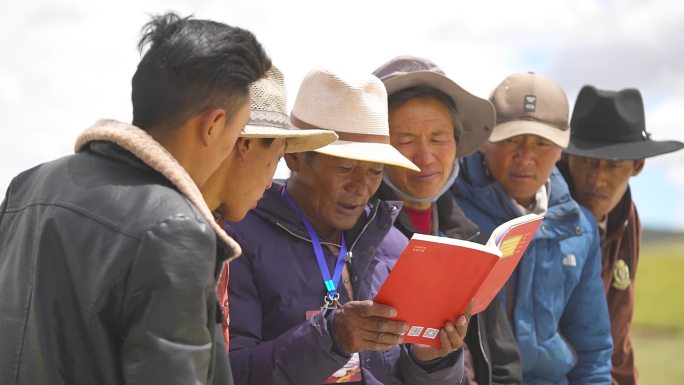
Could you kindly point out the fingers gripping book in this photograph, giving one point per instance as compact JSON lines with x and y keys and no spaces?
{"x":435,"y":277}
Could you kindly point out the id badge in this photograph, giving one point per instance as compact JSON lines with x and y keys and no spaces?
{"x":350,"y":372}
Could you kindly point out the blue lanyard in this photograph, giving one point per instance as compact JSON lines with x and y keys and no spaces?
{"x":330,"y":283}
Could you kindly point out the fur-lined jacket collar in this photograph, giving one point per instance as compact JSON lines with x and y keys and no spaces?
{"x":148,"y":150}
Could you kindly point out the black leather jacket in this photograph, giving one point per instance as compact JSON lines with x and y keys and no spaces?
{"x":107,"y":276}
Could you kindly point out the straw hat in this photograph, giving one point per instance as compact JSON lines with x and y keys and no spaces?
{"x":476,"y":114}
{"x":355,"y":109}
{"x":268,"y":116}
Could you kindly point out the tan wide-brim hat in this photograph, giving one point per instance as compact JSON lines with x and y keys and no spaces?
{"x":268,"y":116}
{"x":477,"y":114}
{"x":355,"y":109}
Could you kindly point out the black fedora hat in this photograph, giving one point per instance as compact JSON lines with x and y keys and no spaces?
{"x":612,"y":125}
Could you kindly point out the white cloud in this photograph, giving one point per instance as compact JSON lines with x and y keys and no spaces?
{"x":68,"y":62}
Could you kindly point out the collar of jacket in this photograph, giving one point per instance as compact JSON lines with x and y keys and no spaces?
{"x":618,"y":217}
{"x":154,"y":155}
{"x":273,"y":208}
{"x":474,"y":183}
{"x":450,"y":218}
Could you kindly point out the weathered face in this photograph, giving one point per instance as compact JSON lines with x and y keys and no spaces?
{"x":333,"y":192}
{"x":423,"y":131}
{"x":599,"y":184}
{"x":241,"y":180}
{"x":522,"y":164}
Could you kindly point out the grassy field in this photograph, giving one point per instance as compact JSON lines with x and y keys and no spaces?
{"x":658,"y":331}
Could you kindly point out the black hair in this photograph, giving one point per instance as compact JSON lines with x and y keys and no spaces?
{"x":192,"y":65}
{"x":397,"y":99}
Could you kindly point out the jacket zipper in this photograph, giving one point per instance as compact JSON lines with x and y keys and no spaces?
{"x":475,"y":235}
{"x":479,"y":337}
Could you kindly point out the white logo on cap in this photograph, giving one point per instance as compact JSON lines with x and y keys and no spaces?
{"x":530,"y":103}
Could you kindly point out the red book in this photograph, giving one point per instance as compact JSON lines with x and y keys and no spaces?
{"x":436,"y":277}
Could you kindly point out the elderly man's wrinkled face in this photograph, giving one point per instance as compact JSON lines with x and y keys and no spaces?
{"x":423,"y":131}
{"x":332,"y":192}
{"x":599,"y":184}
{"x":522,"y":164}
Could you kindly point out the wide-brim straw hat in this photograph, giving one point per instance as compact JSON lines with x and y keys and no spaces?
{"x":355,"y":109}
{"x":268,"y":116}
{"x":477,"y":114}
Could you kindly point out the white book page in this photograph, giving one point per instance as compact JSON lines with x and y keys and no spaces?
{"x":457,"y":242}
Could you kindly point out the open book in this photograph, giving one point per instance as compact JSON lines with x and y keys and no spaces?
{"x":435,"y":277}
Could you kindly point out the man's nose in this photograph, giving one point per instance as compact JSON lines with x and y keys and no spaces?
{"x":422,"y":153}
{"x":359,"y":183}
{"x":524,"y":152}
{"x":597,"y":172}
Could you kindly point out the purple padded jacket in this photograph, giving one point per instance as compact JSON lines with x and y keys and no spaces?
{"x":277,"y":280}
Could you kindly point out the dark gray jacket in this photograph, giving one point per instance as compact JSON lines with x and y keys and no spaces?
{"x":107,"y":275}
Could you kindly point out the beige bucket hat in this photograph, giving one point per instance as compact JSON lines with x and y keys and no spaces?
{"x":268,"y":116}
{"x":354,"y":109}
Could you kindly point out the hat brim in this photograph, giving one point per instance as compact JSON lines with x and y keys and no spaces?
{"x":368,"y":152}
{"x":622,"y":151}
{"x":513,"y":128}
{"x":297,"y":140}
{"x":477,"y":115}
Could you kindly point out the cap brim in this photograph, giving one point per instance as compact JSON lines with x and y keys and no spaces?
{"x":513,"y":128}
{"x":368,"y":152}
{"x":297,"y":140}
{"x":622,"y":151}
{"x":477,"y":115}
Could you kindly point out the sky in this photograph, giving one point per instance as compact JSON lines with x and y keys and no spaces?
{"x":67,"y":63}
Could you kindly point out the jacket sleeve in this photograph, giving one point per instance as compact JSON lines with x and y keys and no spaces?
{"x":506,"y":367}
{"x":169,"y":305}
{"x":586,"y":323}
{"x":223,"y":374}
{"x":280,"y":360}
{"x":446,"y":370}
{"x":3,"y":205}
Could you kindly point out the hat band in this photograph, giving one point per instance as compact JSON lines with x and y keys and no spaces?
{"x":267,"y":118}
{"x":347,"y":136}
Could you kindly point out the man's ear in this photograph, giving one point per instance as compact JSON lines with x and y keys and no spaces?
{"x":638,"y":166}
{"x":212,"y":122}
{"x":292,"y":160}
{"x":243,"y":147}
